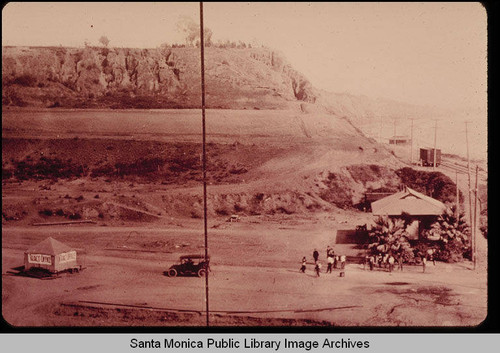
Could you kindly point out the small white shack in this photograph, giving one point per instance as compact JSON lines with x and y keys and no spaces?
{"x":51,"y":255}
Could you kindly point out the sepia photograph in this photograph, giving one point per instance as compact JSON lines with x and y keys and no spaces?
{"x":258,"y":164}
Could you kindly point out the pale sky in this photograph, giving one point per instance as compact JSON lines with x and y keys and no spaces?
{"x":422,"y":53}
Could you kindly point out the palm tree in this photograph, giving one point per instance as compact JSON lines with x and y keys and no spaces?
{"x":452,"y":235}
{"x":389,"y":236}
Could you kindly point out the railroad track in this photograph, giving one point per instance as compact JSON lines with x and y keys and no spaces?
{"x":462,"y":169}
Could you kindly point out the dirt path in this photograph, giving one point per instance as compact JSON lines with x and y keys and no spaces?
{"x":247,"y":279}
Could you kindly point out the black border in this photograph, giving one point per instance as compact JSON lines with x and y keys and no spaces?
{"x":490,"y":325}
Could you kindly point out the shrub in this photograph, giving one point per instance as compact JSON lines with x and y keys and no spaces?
{"x":435,"y":184}
{"x":222,"y":212}
{"x":46,"y":168}
{"x":6,"y":173}
{"x":105,"y":170}
{"x":25,"y":80}
{"x":45,"y":212}
{"x":238,"y":208}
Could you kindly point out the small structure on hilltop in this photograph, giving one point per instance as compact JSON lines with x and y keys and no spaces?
{"x":399,"y":140}
{"x":421,"y":210}
{"x":52,"y":256}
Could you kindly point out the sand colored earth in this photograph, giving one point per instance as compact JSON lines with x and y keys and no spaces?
{"x":281,"y":171}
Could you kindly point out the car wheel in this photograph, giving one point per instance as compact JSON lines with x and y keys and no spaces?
{"x":172,"y":272}
{"x":201,"y":272}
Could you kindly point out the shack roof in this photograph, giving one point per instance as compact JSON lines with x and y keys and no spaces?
{"x":407,"y":201}
{"x":49,"y":246}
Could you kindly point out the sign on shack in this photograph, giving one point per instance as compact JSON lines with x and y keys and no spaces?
{"x":51,"y":255}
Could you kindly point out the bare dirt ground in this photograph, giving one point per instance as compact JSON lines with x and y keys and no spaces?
{"x":255,"y":273}
{"x":255,"y":278}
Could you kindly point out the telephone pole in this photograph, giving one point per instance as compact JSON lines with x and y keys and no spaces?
{"x":469,"y":186}
{"x":457,"y":209}
{"x":435,"y":141}
{"x":380,"y":131}
{"x":394,"y":139}
{"x":475,"y":218}
{"x":202,"y":47}
{"x":411,"y":142}
{"x":394,"y":135}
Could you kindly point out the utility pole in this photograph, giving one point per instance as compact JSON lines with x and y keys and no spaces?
{"x":202,"y":47}
{"x":394,"y":135}
{"x":394,"y":140}
{"x":411,"y":142}
{"x":380,"y":130}
{"x":475,"y":218}
{"x":435,"y":141}
{"x":469,"y":186}
{"x":457,"y":209}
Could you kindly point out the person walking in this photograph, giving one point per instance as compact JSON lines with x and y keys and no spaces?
{"x":342,"y":261}
{"x":329,"y":258}
{"x":391,"y":263}
{"x":400,"y":262}
{"x":303,"y":267}
{"x":330,"y":264}
{"x":424,"y":262}
{"x":384,"y":260}
{"x":315,"y":255}
{"x":430,"y":253}
{"x":371,"y":262}
{"x":317,"y":268}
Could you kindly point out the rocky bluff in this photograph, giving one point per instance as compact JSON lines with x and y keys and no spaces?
{"x":100,"y":77}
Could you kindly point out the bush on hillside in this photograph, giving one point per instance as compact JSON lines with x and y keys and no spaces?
{"x":434,"y":184}
{"x":24,"y":80}
{"x":47,"y":168}
{"x":337,"y":191}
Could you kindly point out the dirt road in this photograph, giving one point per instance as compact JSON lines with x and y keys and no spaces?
{"x":254,"y":274}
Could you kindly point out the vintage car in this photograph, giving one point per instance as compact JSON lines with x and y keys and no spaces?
{"x":189,"y":265}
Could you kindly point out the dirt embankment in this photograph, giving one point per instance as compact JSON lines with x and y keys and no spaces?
{"x":106,"y":180}
{"x":259,"y":163}
{"x":149,"y":78}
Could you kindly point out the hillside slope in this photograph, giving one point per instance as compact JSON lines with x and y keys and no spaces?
{"x":259,"y":162}
{"x":122,"y":78}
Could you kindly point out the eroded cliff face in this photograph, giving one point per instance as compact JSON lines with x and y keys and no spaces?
{"x":149,"y":78}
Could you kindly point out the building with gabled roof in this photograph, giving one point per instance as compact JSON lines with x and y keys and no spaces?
{"x":407,"y":201}
{"x":421,"y":209}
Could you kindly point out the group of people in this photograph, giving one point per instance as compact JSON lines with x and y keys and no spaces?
{"x":333,"y":261}
{"x":385,"y":261}
{"x":389,"y":260}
